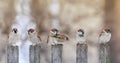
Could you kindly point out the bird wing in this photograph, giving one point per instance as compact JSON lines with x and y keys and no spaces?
{"x":47,"y":39}
{"x":39,"y":38}
{"x":60,"y":36}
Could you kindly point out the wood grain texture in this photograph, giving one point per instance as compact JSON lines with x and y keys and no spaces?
{"x":35,"y":54}
{"x":104,"y":53}
{"x":81,"y":53}
{"x":12,"y":54}
{"x":56,"y":53}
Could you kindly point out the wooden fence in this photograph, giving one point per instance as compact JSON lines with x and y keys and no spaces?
{"x":56,"y":54}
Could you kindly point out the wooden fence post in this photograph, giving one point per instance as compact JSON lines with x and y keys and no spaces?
{"x":81,"y":53}
{"x":35,"y":54}
{"x":12,"y":54}
{"x":56,"y":53}
{"x":104,"y":53}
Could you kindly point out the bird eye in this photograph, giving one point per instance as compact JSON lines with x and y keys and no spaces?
{"x":31,"y":30}
{"x":15,"y":30}
{"x":108,"y":30}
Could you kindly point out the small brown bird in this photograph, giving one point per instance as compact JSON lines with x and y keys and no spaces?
{"x":56,"y":37}
{"x":105,"y":35}
{"x":34,"y":37}
{"x":81,"y":36}
{"x":14,"y":37}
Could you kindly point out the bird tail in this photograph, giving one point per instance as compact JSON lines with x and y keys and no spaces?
{"x":67,"y":38}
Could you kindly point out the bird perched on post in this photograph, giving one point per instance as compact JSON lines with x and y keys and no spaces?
{"x":55,"y":37}
{"x":13,"y":37}
{"x":34,"y":37}
{"x":81,"y":36}
{"x":105,"y":35}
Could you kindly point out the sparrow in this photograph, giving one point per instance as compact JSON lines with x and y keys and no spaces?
{"x":34,"y":37}
{"x":81,"y":36}
{"x":105,"y":35}
{"x":13,"y":37}
{"x":56,"y":37}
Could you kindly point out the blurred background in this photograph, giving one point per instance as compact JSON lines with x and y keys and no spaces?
{"x":90,"y":15}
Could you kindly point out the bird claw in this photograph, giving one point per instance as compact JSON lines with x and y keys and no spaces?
{"x":82,"y":42}
{"x":54,"y":44}
{"x":14,"y":45}
{"x":34,"y":44}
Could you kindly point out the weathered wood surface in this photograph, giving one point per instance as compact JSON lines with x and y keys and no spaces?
{"x":56,"y":53}
{"x":81,"y":53}
{"x":35,"y":54}
{"x":12,"y":54}
{"x":104,"y":53}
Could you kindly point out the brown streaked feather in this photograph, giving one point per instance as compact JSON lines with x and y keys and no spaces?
{"x":39,"y":38}
{"x":63,"y":37}
{"x":31,"y":30}
{"x":107,"y":29}
{"x":101,"y":33}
